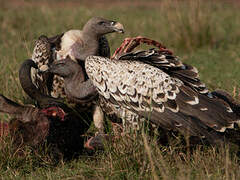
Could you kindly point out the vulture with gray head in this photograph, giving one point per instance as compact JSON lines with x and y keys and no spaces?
{"x":76,"y":44}
{"x":155,"y":85}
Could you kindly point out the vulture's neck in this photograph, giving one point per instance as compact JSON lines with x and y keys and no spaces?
{"x":90,"y":40}
{"x":90,"y":34}
{"x":79,"y":89}
{"x":75,"y":80}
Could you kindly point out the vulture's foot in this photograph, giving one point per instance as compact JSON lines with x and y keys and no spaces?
{"x":97,"y":142}
{"x":100,"y":139}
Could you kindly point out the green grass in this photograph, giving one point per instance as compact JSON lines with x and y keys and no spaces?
{"x":202,"y":33}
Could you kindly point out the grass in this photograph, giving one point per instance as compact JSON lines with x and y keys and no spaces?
{"x":202,"y":33}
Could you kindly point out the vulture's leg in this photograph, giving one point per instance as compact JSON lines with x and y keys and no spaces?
{"x":87,"y":91}
{"x":97,"y":142}
{"x":131,"y":121}
{"x":98,"y":119}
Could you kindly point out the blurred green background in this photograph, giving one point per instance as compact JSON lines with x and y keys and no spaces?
{"x":203,"y":33}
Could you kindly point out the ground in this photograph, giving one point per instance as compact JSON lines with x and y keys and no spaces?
{"x":202,"y":33}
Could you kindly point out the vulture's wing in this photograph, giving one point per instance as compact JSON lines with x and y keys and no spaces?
{"x":151,"y":92}
{"x":43,"y":55}
{"x":170,"y":64}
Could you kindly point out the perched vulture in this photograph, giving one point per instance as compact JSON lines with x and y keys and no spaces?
{"x":53,"y":122}
{"x":77,"y":44}
{"x":155,"y":85}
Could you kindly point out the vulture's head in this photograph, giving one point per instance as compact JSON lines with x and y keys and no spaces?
{"x":103,"y":26}
{"x":65,"y":68}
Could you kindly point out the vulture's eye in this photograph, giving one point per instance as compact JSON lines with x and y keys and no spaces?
{"x":101,"y":23}
{"x":112,"y":23}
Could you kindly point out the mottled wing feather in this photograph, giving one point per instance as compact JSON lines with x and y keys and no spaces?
{"x":42,"y":56}
{"x":229,"y":99}
{"x":170,"y":64}
{"x":145,"y":89}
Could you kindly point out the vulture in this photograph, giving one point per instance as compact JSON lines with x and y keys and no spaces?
{"x":76,"y":44}
{"x":155,"y":86}
{"x":52,"y":122}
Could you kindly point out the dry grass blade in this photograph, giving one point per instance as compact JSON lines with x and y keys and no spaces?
{"x":148,"y":151}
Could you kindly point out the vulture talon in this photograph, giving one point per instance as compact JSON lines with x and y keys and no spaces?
{"x":97,"y":142}
{"x":87,"y":144}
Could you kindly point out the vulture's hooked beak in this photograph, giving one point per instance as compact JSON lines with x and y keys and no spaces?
{"x":118,"y":27}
